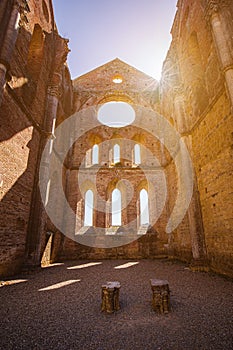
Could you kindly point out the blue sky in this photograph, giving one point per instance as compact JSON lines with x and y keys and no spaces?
{"x":136,"y":31}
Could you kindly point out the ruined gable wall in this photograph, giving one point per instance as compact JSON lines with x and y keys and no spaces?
{"x":91,"y":90}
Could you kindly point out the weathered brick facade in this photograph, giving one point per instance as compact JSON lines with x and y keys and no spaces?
{"x":29,"y":49}
{"x":194,"y":98}
{"x":197,"y":91}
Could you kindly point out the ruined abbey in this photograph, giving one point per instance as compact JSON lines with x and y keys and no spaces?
{"x":170,"y":167}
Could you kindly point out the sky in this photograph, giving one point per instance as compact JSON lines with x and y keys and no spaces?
{"x":135,"y":31}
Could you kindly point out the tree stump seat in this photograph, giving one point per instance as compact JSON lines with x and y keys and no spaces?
{"x":161,"y":295}
{"x":110,"y":297}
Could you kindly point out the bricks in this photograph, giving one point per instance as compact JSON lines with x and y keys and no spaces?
{"x":191,"y":95}
{"x":208,"y":124}
{"x":110,"y":297}
{"x":21,"y":130}
{"x":161,"y":296}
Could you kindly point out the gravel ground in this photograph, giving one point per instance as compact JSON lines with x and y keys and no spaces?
{"x":69,"y":317}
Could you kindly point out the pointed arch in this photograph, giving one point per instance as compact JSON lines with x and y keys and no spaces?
{"x":198,"y":98}
{"x":36,"y":52}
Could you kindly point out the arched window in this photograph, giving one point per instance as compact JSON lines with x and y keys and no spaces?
{"x":36,"y":52}
{"x":116,"y":153}
{"x":137,"y":154}
{"x":89,"y":204}
{"x":116,"y":207}
{"x":144,"y":208}
{"x":95,"y":154}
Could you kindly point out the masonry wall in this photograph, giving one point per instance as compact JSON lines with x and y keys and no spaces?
{"x":28,"y":56}
{"x":195,"y":95}
{"x":202,"y":92}
{"x":102,"y":178}
{"x":213,"y":157}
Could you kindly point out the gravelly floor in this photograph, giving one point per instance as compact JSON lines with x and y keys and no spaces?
{"x":69,"y":317}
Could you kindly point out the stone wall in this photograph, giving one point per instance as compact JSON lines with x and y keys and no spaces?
{"x":196,"y":57}
{"x":90,"y":91}
{"x":29,"y":41}
{"x":195,"y":95}
{"x":148,"y":246}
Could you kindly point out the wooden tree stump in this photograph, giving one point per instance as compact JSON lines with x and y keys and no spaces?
{"x":161,"y":296}
{"x":110,"y":297}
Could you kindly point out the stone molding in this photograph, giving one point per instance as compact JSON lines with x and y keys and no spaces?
{"x":54,"y":90}
{"x":213,"y":7}
{"x":229,"y":67}
{"x":4,"y":66}
{"x":179,"y":90}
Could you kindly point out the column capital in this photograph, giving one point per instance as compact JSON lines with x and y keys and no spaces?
{"x":17,"y":5}
{"x":21,"y":5}
{"x":213,"y":7}
{"x":54,"y":90}
{"x":179,"y":90}
{"x":4,"y":63}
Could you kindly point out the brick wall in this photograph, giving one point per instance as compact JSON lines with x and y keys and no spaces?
{"x":22,"y":119}
{"x":209,"y":122}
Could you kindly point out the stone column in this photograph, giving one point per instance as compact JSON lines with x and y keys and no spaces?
{"x":195,"y":221}
{"x":132,"y":211}
{"x":214,"y":11}
{"x":194,"y":210}
{"x":9,"y":44}
{"x":3,"y":71}
{"x":108,"y":213}
{"x":38,"y":216}
{"x":70,"y":221}
{"x":50,"y":122}
{"x":180,"y":117}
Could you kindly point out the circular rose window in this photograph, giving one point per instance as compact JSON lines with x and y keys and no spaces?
{"x":116,"y":114}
